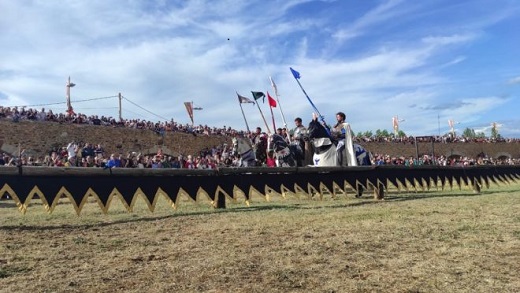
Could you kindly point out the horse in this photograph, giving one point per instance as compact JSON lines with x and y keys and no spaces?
{"x":243,"y":148}
{"x":284,"y":152}
{"x":325,"y":153}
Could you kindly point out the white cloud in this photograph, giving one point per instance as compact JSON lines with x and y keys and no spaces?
{"x":515,"y":80}
{"x":160,"y":54}
{"x":448,"y":40}
{"x":377,"y":15}
{"x":455,"y":61}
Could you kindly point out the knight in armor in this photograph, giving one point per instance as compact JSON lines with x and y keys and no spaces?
{"x":298,"y":140}
{"x":259,"y":140}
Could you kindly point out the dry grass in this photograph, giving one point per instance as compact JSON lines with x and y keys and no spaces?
{"x":451,"y":241}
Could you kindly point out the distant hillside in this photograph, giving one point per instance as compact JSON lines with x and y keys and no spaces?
{"x":38,"y":138}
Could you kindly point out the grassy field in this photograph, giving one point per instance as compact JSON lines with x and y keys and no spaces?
{"x":449,"y":241}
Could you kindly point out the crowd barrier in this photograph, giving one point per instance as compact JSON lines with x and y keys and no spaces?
{"x":49,"y":184}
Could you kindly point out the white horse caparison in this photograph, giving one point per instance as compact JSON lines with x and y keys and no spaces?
{"x":246,"y":152}
{"x":330,"y":156}
{"x":325,"y":153}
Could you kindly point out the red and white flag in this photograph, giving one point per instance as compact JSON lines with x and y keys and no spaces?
{"x":395,"y":123}
{"x":189,"y":108}
{"x":451,"y":123}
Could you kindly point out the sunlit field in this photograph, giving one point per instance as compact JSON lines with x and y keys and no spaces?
{"x":413,"y":241}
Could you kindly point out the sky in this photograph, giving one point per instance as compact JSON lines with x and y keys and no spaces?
{"x":425,"y":62}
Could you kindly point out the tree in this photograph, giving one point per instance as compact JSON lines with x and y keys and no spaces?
{"x":469,"y":133}
{"x":480,"y":135}
{"x":494,"y":131}
{"x":401,"y":133}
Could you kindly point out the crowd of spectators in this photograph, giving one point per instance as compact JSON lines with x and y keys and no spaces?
{"x":448,"y":138}
{"x":16,"y":114}
{"x":89,"y":155}
{"x":381,"y":159}
{"x":93,"y":155}
{"x":161,"y":127}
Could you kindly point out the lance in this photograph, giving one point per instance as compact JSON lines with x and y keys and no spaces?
{"x":273,"y":85}
{"x":296,"y":75}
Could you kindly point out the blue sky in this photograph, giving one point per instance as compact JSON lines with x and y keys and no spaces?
{"x":424,"y":61}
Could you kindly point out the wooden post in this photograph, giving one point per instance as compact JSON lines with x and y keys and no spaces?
{"x":379,"y":191}
{"x":221,"y":201}
{"x":120,"y":111}
{"x":476,"y":185}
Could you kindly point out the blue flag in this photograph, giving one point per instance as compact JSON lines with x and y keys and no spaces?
{"x":295,"y":73}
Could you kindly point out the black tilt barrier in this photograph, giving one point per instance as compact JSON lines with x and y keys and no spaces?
{"x":51,"y":183}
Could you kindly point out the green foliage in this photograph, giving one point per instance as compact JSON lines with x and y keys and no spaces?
{"x":382,"y":133}
{"x":494,"y":131}
{"x":480,"y":135}
{"x":469,"y":133}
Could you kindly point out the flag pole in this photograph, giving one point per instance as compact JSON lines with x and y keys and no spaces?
{"x":70,"y":110}
{"x":244,"y":115}
{"x":272,"y":115}
{"x":296,"y":76}
{"x":273,"y":85}
{"x":263,"y":117}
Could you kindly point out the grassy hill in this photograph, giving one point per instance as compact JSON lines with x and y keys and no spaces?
{"x":38,"y":138}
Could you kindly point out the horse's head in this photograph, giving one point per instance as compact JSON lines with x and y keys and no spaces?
{"x":243,"y":145}
{"x":316,"y":130}
{"x":277,"y":142}
{"x":282,"y":150}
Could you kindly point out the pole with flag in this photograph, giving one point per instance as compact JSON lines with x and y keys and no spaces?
{"x":272,"y":104}
{"x":70,"y":110}
{"x":257,"y":96}
{"x":275,"y":88}
{"x":296,"y":75}
{"x":451,"y":123}
{"x":395,"y":125}
{"x":189,"y":108}
{"x":242,"y":100}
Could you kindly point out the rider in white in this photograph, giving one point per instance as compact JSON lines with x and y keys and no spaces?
{"x":343,"y":134}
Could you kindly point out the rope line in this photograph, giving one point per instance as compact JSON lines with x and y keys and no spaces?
{"x":92,"y":99}
{"x":144,"y":108}
{"x":59,"y":103}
